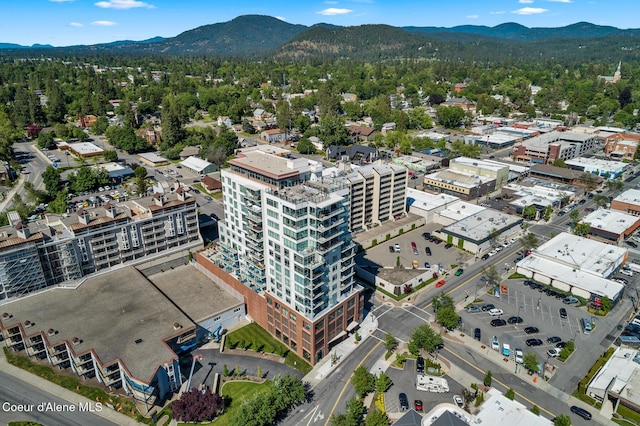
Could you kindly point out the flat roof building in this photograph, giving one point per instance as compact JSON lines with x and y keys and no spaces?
{"x":489,"y":169}
{"x":199,"y":166}
{"x":85,"y":149}
{"x":427,"y":204}
{"x":612,"y":225}
{"x":548,"y":147}
{"x":576,"y":264}
{"x":606,"y":168}
{"x":628,"y":201}
{"x":618,"y":380}
{"x":152,"y":159}
{"x":477,"y":232}
{"x":467,"y":186}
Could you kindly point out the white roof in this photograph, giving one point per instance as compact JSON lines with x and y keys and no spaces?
{"x":84,"y":148}
{"x":474,"y":162}
{"x":429,"y":201}
{"x":613,"y":221}
{"x":460,"y":210}
{"x":498,"y":410}
{"x":596,"y":164}
{"x":582,"y":253}
{"x":195,"y":164}
{"x":630,"y":196}
{"x":152,"y":157}
{"x":458,"y":178}
{"x":479,"y":226}
{"x":571,"y":275}
{"x":619,"y":370}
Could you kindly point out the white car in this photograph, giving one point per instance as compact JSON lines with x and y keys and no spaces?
{"x":626,"y":272}
{"x":519,"y":357}
{"x":513,"y":240}
{"x":493,"y":253}
{"x":495,"y":344}
{"x":553,"y":352}
{"x":495,"y":312}
{"x":499,"y":248}
{"x":458,"y":401}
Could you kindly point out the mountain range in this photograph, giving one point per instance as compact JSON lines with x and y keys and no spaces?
{"x":259,"y":37}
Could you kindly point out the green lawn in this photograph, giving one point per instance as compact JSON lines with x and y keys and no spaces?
{"x":254,"y":337}
{"x":233,"y":393}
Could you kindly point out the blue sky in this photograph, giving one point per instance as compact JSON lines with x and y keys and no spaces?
{"x":69,"y":22}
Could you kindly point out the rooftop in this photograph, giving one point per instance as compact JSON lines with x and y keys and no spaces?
{"x":195,"y":163}
{"x":497,"y":410}
{"x":597,"y":164}
{"x":458,"y":178}
{"x":268,"y":163}
{"x":193,"y":293}
{"x":426,"y":200}
{"x":620,"y":374}
{"x":129,"y":309}
{"x":630,"y":196}
{"x":152,"y":157}
{"x":459,"y":210}
{"x":613,"y":221}
{"x":85,"y":148}
{"x":474,"y":162}
{"x":479,"y":226}
{"x":543,"y":140}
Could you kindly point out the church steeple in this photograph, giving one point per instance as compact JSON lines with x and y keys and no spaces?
{"x":617,"y":75}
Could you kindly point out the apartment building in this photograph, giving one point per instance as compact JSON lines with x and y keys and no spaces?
{"x":621,"y":146}
{"x":65,"y":248}
{"x":548,"y":147}
{"x":377,"y":193}
{"x":286,"y":237}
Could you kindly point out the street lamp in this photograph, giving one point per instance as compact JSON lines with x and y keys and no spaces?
{"x":195,"y":357}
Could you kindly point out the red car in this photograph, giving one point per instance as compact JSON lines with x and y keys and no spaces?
{"x":440,"y":283}
{"x":418,"y":404}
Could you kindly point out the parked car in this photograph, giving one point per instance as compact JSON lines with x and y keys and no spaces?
{"x":498,"y":322}
{"x":391,"y":249}
{"x":448,"y":245}
{"x":404,"y":402}
{"x":427,"y":251}
{"x":440,"y":283}
{"x":531,"y":330}
{"x":426,"y":235}
{"x":419,"y":365}
{"x":534,"y":342}
{"x":627,"y":272}
{"x":396,"y":248}
{"x":553,"y":352}
{"x":495,"y":344}
{"x":581,"y":412}
{"x":477,"y":334}
{"x":519,"y":356}
{"x":554,"y":339}
{"x":561,"y":345}
{"x":488,"y":307}
{"x":474,"y":309}
{"x":418,"y":405}
{"x":570,"y":300}
{"x":414,"y":248}
{"x":485,"y":256}
{"x":458,"y":401}
{"x":427,"y":265}
{"x":582,"y":201}
{"x":459,"y":272}
{"x":563,"y":313}
{"x":515,"y":320}
{"x":495,"y":312}
{"x":632,"y":244}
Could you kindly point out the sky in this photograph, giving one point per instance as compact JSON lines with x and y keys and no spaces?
{"x":72,"y":22}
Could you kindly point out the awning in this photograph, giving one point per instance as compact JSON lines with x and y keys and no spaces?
{"x":352,"y":325}
{"x":339,"y":336}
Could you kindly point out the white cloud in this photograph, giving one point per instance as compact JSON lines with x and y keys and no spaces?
{"x":473,"y":16}
{"x":497,"y":12}
{"x":525,"y":1}
{"x":76,"y":24}
{"x":104,"y":23}
{"x":529,"y":11}
{"x":332,"y":11}
{"x":123,"y":4}
{"x":561,"y":1}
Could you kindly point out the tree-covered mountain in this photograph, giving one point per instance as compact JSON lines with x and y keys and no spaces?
{"x":266,"y":37}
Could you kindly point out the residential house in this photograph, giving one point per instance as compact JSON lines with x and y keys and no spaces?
{"x":354,"y":152}
{"x":150,"y":134}
{"x":189,"y":151}
{"x":273,"y":136}
{"x":361,"y":133}
{"x":211,"y":184}
{"x":223,"y":120}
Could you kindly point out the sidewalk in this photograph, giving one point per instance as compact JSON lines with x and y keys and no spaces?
{"x":323,"y":368}
{"x":67,"y":395}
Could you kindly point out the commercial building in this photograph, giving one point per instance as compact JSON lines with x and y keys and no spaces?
{"x":605,"y":168}
{"x":427,"y":204}
{"x":81,"y":149}
{"x":66,"y":248}
{"x":478,"y":232}
{"x":199,"y":166}
{"x":578,"y":265}
{"x":416,"y":163}
{"x":489,"y":169}
{"x":562,"y":174}
{"x":116,"y":171}
{"x":621,"y":146}
{"x":628,"y":201}
{"x":286,"y":247}
{"x":539,"y":193}
{"x":611,"y":225}
{"x":548,"y":147}
{"x":467,"y":186}
{"x":618,"y":380}
{"x":152,"y":159}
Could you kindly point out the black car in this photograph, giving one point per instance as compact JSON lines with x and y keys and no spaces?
{"x":553,"y":339}
{"x":498,"y":322}
{"x":448,"y":245}
{"x":404,"y":402}
{"x":561,"y":345}
{"x":485,"y":256}
{"x":426,"y":235}
{"x":581,"y":412}
{"x":419,"y":365}
{"x":488,"y":307}
{"x":515,"y":320}
{"x":531,"y":330}
{"x":563,"y":313}
{"x":582,"y":201}
{"x":534,"y":342}
{"x":477,"y":334}
{"x":391,"y":249}
{"x":427,"y":251}
{"x":632,"y":244}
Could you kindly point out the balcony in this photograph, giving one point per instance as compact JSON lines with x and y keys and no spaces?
{"x":85,"y":368}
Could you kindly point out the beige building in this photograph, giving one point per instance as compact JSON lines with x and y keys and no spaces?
{"x":488,"y":169}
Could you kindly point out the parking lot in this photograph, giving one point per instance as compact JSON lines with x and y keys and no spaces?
{"x":384,"y":253}
{"x":405,"y":381}
{"x":537,"y":309}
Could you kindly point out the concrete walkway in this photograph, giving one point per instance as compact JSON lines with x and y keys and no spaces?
{"x":67,"y":395}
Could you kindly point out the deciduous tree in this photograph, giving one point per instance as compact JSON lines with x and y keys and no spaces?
{"x":362,"y":381}
{"x":197,"y":406}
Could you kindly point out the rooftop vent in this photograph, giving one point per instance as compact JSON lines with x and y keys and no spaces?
{"x":177,"y":326}
{"x":28,"y":324}
{"x":51,"y":332}
{"x":76,"y":341}
{"x":138,"y":341}
{"x":6,"y":315}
